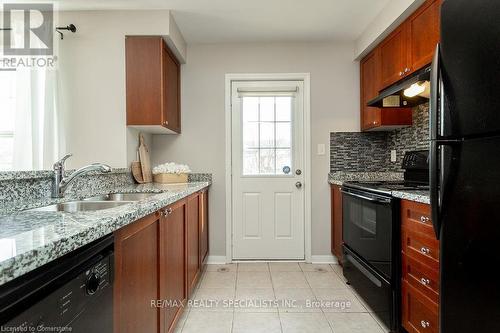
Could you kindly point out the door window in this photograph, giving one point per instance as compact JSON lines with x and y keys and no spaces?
{"x":267,"y":135}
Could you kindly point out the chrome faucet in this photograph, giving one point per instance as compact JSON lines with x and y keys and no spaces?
{"x":60,"y":183}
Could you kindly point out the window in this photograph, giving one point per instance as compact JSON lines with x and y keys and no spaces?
{"x":7,"y":118}
{"x":267,"y":135}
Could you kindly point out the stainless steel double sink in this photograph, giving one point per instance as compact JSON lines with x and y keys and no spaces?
{"x":96,"y":203}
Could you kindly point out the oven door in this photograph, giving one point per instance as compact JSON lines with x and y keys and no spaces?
{"x":368,"y":228}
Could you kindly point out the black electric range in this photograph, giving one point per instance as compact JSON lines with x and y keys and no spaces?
{"x":371,"y":235}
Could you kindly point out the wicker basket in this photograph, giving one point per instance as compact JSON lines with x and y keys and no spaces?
{"x":170,"y":178}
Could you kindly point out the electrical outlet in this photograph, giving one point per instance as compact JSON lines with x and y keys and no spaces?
{"x":393,"y":155}
{"x":321,"y":149}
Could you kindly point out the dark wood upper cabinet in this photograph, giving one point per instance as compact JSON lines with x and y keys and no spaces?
{"x":378,"y":118}
{"x":423,"y":34}
{"x":370,"y":86}
{"x":192,"y":242}
{"x":393,"y":57}
{"x":411,"y":46}
{"x":407,"y":49}
{"x":153,"y":85}
{"x":172,"y":264}
{"x":136,"y":276}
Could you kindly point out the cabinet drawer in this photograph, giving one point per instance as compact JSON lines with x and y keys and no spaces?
{"x":422,"y":248}
{"x":416,"y":216}
{"x":421,"y":277}
{"x":420,"y":314}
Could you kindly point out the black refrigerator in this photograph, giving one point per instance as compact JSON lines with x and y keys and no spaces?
{"x":465,"y":164}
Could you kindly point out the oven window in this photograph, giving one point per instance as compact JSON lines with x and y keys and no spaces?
{"x":368,"y":230}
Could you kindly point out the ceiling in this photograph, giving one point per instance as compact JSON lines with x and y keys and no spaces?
{"x":216,"y":21}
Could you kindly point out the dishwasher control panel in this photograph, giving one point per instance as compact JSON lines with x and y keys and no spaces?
{"x":83,"y":291}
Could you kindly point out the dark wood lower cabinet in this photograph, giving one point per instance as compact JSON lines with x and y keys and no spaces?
{"x":193,"y":242}
{"x":159,"y":257}
{"x":420,"y":269}
{"x":172,"y":264}
{"x":203,"y":228}
{"x":136,"y":276}
{"x":336,"y":206}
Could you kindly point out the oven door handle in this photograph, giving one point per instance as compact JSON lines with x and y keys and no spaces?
{"x":359,"y":196}
{"x":364,"y":271}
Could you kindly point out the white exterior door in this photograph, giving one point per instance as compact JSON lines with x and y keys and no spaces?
{"x":267,"y":170}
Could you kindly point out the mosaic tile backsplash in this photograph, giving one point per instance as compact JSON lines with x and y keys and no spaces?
{"x":371,"y":151}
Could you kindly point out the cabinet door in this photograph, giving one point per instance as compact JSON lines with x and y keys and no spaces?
{"x":203,"y":228}
{"x":171,"y":111}
{"x":393,"y":57}
{"x":337,"y":222}
{"x":192,"y":239}
{"x":423,"y":34}
{"x":370,"y":86}
{"x":419,"y":314}
{"x":143,"y":65}
{"x":172,"y":264}
{"x":136,"y":276}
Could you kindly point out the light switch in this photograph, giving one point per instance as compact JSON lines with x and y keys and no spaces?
{"x":321,"y":149}
{"x":393,"y":155}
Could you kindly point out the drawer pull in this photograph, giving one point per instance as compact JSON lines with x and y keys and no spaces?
{"x":425,"y":281}
{"x":424,"y":219}
{"x":425,"y":250}
{"x":425,"y":323}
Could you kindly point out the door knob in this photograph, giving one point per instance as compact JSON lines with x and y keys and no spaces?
{"x":298,"y":184}
{"x":298,"y":172}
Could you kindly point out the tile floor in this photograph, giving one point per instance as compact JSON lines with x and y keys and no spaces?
{"x":276,"y":297}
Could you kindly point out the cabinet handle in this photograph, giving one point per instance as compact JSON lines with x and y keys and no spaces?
{"x":425,"y":250}
{"x":407,"y":70}
{"x":165,"y":122}
{"x":167,"y":211}
{"x":425,"y":323}
{"x":424,"y":219}
{"x":425,"y":281}
{"x":401,"y":73}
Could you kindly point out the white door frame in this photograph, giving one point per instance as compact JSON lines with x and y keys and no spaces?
{"x":305,"y":77}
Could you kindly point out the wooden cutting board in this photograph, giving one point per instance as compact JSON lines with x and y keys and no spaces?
{"x":147,"y":175}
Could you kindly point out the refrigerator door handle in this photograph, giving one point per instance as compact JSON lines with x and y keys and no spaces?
{"x":434,"y":183}
{"x":434,"y":179}
{"x":434,"y":97}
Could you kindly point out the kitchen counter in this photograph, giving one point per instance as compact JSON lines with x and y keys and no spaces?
{"x":338,"y":178}
{"x":415,"y":195}
{"x":29,"y":240}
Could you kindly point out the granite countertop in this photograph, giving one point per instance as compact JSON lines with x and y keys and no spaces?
{"x":413,"y":195}
{"x":29,"y":240}
{"x":338,"y":178}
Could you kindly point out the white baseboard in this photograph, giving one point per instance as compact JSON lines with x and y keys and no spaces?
{"x":318,"y":259}
{"x":326,"y":259}
{"x":216,"y":260}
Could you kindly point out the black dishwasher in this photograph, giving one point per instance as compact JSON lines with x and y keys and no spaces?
{"x":72,"y":294}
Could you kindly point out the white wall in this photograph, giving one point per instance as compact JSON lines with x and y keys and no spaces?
{"x":92,"y":81}
{"x":393,"y":14}
{"x":334,"y":107}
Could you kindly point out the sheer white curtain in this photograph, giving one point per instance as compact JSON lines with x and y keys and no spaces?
{"x":38,"y":134}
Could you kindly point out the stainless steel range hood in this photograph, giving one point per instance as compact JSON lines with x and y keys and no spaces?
{"x":410,"y":91}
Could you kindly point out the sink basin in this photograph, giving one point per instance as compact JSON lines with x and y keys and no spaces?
{"x":121,"y":197}
{"x":80,"y":206}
